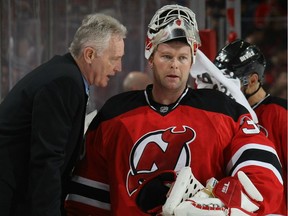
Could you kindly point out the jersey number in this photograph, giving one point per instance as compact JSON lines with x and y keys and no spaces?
{"x":251,"y":130}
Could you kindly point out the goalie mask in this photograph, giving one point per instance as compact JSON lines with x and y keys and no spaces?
{"x":172,"y":22}
{"x":243,"y":59}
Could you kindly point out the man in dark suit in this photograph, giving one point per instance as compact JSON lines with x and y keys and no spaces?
{"x":42,"y":119}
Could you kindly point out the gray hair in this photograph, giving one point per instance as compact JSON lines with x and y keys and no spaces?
{"x":96,"y":31}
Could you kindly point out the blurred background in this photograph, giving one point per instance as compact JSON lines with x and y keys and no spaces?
{"x":32,"y":31}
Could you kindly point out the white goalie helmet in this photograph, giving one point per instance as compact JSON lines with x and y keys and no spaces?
{"x":171,"y":22}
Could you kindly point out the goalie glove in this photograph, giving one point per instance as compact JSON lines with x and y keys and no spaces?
{"x":197,"y":206}
{"x":238,"y":193}
{"x":185,"y":186}
{"x":151,"y":195}
{"x":235,"y":197}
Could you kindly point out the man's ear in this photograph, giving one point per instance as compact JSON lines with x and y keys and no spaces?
{"x":89,"y":54}
{"x":253,"y":82}
{"x":150,"y":61}
{"x":254,"y":79}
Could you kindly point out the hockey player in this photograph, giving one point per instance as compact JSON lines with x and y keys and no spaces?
{"x":245,"y":61}
{"x":139,"y":139}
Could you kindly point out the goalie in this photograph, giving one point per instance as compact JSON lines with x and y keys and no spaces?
{"x":141,"y":142}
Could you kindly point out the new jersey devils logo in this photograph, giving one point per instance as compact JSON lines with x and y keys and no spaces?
{"x":159,"y":150}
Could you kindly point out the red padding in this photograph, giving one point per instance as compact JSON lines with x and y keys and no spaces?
{"x":208,"y":41}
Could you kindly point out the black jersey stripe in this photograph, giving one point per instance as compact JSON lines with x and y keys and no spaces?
{"x":275,"y":100}
{"x":89,"y":192}
{"x":260,"y":156}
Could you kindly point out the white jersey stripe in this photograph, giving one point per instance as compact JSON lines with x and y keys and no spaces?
{"x":238,"y":154}
{"x":88,"y":201}
{"x":91,"y":183}
{"x":259,"y":164}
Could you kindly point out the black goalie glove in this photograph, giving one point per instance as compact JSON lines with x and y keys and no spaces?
{"x":152,"y":194}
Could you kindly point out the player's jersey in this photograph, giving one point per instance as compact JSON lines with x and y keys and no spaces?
{"x":133,"y":138}
{"x":272,"y":117}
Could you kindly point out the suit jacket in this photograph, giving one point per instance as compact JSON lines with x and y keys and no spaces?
{"x":41,"y":131}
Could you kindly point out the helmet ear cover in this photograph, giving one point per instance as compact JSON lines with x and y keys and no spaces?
{"x":241,"y":58}
{"x":169,"y":23}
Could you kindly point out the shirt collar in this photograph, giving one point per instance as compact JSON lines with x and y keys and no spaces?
{"x":86,"y":85}
{"x":161,"y":108}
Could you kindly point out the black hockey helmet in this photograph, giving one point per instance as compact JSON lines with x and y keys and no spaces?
{"x":241,"y":58}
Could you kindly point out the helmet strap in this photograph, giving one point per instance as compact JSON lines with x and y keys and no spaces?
{"x":249,"y":95}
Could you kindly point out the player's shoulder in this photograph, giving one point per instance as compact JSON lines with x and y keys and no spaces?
{"x":273,"y":100}
{"x":210,"y":94}
{"x":125,"y":101}
{"x":120,"y":104}
{"x":215,"y":101}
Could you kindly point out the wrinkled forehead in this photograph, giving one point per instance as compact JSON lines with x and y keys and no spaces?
{"x":177,"y":45}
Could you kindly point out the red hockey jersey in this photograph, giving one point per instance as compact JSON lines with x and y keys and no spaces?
{"x":133,"y":137}
{"x":272,"y":117}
